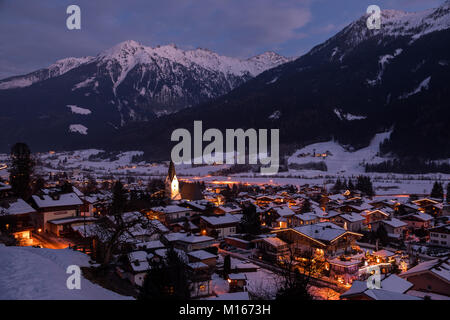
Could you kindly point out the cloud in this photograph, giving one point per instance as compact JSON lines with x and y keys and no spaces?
{"x":37,"y":34}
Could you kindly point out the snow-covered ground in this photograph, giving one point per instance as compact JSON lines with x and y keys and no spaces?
{"x":40,"y":274}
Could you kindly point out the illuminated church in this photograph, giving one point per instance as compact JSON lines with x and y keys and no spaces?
{"x":172,"y":186}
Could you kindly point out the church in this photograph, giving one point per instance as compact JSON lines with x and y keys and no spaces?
{"x":188,"y":191}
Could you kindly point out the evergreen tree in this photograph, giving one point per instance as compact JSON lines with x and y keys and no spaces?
{"x":250,"y":221}
{"x":226,"y":266}
{"x":437,"y":191}
{"x":66,"y":186}
{"x":351,"y":186}
{"x":21,"y":170}
{"x":337,"y":186}
{"x":119,"y":200}
{"x":306,"y":206}
{"x":167,"y":279}
{"x":364,"y":184}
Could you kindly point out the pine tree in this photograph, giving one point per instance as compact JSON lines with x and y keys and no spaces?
{"x":21,"y":170}
{"x":337,"y":186}
{"x":119,"y":200}
{"x":250,"y":221}
{"x":167,"y":279}
{"x":306,"y":206}
{"x":437,"y":191}
{"x":226,"y":266}
{"x":351,"y":186}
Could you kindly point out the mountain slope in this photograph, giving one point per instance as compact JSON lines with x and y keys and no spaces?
{"x":358,"y":83}
{"x":127,"y":83}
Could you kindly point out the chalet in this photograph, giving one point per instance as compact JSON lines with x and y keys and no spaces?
{"x":237,"y":282}
{"x":417,"y":220}
{"x":344,"y":269}
{"x":187,"y":242}
{"x":304,"y":219}
{"x":430,"y":277}
{"x":138,"y":266}
{"x":325,"y":238}
{"x":52,"y":208}
{"x":392,"y":287}
{"x":19,"y":218}
{"x":150,"y":246}
{"x":395,"y":228}
{"x":220,"y":226}
{"x":440,"y":236}
{"x":350,"y":221}
{"x":170,"y":213}
{"x":372,"y":218}
{"x":203,"y":256}
{"x":272,"y":249}
{"x":201,"y":284}
{"x":278,"y":217}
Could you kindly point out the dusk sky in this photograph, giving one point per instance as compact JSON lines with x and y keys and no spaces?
{"x":34,"y":34}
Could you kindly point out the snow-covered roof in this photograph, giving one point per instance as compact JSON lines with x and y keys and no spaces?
{"x":221,"y":220}
{"x":439,"y":267}
{"x":395,"y":223}
{"x":156,"y":244}
{"x":64,"y":199}
{"x":307,"y":216}
{"x":276,"y":242}
{"x":381,"y":294}
{"x":201,"y":254}
{"x":383,"y":253}
{"x":391,"y":286}
{"x":17,"y":206}
{"x":237,"y":276}
{"x":171,"y":209}
{"x":4,"y":186}
{"x":324,"y":231}
{"x":284,"y":211}
{"x":183,"y":237}
{"x":352,"y":217}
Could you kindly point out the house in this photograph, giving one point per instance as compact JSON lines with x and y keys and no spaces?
{"x":395,"y":228}
{"x":417,"y":220}
{"x":278,"y":217}
{"x":304,"y":219}
{"x":344,"y":269}
{"x":220,"y":226}
{"x":170,"y":214}
{"x":18,"y":218}
{"x":350,"y":221}
{"x":55,"y":207}
{"x":440,"y":236}
{"x":391,"y":287}
{"x":430,"y":277}
{"x":5,"y":190}
{"x":325,"y":238}
{"x":272,"y":249}
{"x":187,"y":242}
{"x":203,"y":256}
{"x":200,"y":280}
{"x":373,"y":218}
{"x":138,"y":266}
{"x":237,"y":282}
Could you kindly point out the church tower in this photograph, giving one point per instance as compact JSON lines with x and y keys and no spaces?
{"x":171,"y":183}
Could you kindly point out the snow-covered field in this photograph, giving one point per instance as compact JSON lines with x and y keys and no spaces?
{"x":40,"y":274}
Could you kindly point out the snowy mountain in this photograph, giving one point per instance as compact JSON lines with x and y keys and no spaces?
{"x":161,"y":80}
{"x":93,"y":96}
{"x":355,"y":85}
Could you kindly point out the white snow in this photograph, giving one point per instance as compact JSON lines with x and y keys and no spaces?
{"x":60,"y":67}
{"x":275,"y":115}
{"x":341,"y":160}
{"x":40,"y":274}
{"x":84,"y":83}
{"x":78,"y":128}
{"x":79,"y":110}
{"x":422,"y":86}
{"x":347,"y":116}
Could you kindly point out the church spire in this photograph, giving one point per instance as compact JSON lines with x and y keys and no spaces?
{"x":171,"y":172}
